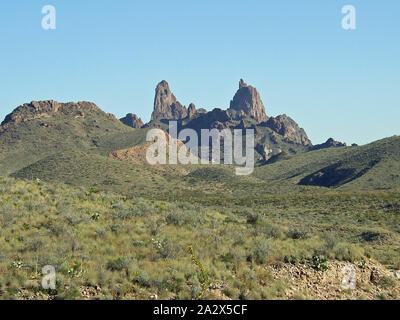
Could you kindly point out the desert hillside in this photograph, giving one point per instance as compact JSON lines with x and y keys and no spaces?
{"x":77,"y":193}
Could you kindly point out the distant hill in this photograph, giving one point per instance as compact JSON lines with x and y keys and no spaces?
{"x":373,"y":166}
{"x":38,"y":129}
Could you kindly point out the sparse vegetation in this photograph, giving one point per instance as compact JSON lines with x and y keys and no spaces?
{"x":104,"y":245}
{"x":114,"y":229}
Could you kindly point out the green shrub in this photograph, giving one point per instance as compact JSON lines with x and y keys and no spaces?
{"x":165,"y":247}
{"x":119,"y":264}
{"x":232,"y":293}
{"x":270,"y":230}
{"x":227,"y":257}
{"x":292,"y":259}
{"x":121,"y":211}
{"x":386,"y":282}
{"x":252,"y":217}
{"x":331,"y":240}
{"x":297,"y":234}
{"x":180,"y":217}
{"x":348,"y":252}
{"x":142,"y":278}
{"x":262,"y":250}
{"x":319,"y":262}
{"x":71,"y":294}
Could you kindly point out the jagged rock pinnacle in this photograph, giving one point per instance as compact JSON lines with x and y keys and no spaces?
{"x":166,"y":106}
{"x":247,"y":99}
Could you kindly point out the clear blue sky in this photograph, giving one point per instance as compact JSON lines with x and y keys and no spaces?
{"x":333,"y":82}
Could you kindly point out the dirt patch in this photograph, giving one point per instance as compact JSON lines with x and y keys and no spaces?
{"x":372,"y":281}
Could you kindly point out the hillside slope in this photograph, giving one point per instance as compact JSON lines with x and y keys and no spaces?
{"x":373,"y":166}
{"x":61,"y":141}
{"x":39,"y":129}
{"x":107,"y":246}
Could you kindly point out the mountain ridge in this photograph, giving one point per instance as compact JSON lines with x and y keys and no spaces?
{"x":36,"y":131}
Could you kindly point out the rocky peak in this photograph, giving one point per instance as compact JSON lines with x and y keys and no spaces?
{"x":48,"y":108}
{"x":242,"y":84}
{"x":289,"y":129}
{"x":248,"y":100}
{"x":329,"y":144}
{"x":191,"y":110}
{"x":132,"y":120}
{"x":166,"y":106}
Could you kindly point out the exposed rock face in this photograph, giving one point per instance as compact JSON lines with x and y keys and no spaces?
{"x":247,"y":99}
{"x":191,"y":110}
{"x":265,"y":151}
{"x":137,"y":155}
{"x":289,"y":129}
{"x":166,"y":106}
{"x":216,"y":118}
{"x":132,"y":120}
{"x":201,"y":110}
{"x":48,"y":108}
{"x":246,"y":107}
{"x":33,"y":110}
{"x":329,"y":144}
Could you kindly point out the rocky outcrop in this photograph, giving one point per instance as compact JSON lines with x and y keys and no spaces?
{"x":191,"y":110}
{"x":289,"y":129}
{"x":30,"y":111}
{"x":166,"y":106}
{"x":246,"y":110}
{"x":137,"y":155}
{"x":48,"y":108}
{"x":329,"y":144}
{"x":132,"y":120}
{"x":328,"y":285}
{"x":264,"y":151}
{"x":247,"y":99}
{"x":217,"y":118}
{"x":201,"y":110}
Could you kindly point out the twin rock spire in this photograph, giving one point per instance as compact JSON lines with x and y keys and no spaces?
{"x":247,"y":99}
{"x":245,"y":106}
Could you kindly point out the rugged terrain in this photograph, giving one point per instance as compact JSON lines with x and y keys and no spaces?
{"x":76,"y":192}
{"x":108,"y":246}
